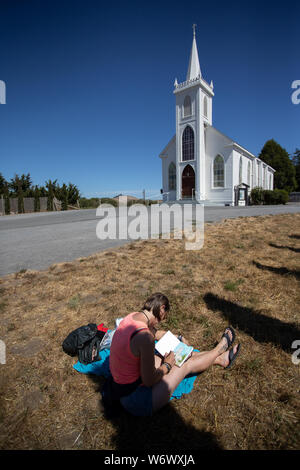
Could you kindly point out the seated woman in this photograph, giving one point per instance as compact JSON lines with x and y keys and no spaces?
{"x":141,"y":380}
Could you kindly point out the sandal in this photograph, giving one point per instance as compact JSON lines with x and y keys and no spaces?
{"x":232,"y":356}
{"x":228,"y":339}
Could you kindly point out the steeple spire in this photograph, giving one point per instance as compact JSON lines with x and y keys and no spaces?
{"x":194,"y":65}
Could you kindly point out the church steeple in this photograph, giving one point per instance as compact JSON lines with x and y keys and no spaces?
{"x":194,"y":65}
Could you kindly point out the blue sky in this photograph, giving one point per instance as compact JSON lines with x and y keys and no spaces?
{"x":90,"y":84}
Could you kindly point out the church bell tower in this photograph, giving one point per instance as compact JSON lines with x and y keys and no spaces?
{"x":193,"y":114}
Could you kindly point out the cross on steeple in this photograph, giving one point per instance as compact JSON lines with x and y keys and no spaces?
{"x":194,"y":29}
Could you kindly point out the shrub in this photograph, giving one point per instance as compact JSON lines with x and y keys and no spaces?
{"x":277,"y":196}
{"x":281,"y":196}
{"x":256,"y":196}
{"x":267,"y":196}
{"x":91,"y":203}
{"x":108,"y":200}
{"x":146,"y":202}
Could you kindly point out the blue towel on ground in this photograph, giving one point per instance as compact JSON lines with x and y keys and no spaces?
{"x":98,"y":367}
{"x":102,"y":368}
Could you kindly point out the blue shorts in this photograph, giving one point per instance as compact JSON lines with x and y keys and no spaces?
{"x":139,"y":402}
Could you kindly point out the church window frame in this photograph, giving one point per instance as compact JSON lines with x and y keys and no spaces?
{"x":172,"y":177}
{"x":218,"y":172}
{"x":205,"y":107}
{"x":253,"y":174}
{"x":241,"y":170}
{"x":187,"y":106}
{"x":249,"y":174}
{"x":188,"y":144}
{"x":265,"y":178}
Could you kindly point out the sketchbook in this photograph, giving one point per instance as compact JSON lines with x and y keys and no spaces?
{"x":170,"y":342}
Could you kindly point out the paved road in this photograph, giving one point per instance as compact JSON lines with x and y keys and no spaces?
{"x":35,"y":241}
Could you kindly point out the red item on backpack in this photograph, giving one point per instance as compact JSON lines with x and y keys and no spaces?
{"x":102,"y":328}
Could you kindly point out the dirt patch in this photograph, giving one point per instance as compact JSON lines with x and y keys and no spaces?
{"x":33,"y":399}
{"x":29,"y":349}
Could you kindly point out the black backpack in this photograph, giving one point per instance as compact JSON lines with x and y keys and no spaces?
{"x":82,"y":341}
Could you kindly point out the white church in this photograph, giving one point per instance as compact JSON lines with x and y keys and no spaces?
{"x":200,"y":163}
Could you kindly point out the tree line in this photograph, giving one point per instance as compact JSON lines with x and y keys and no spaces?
{"x":22,"y":186}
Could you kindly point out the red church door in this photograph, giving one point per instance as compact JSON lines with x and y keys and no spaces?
{"x":188,"y":182}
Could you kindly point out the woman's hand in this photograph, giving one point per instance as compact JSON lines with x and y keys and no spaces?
{"x":170,"y":358}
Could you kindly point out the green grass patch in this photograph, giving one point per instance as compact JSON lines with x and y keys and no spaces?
{"x":74,"y":302}
{"x":254,"y":365}
{"x":167,"y":272}
{"x":233,"y":285}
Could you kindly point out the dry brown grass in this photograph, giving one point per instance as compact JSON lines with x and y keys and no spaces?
{"x":247,"y":275}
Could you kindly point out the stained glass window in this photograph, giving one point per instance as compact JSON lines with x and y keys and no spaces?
{"x":188,"y":144}
{"x":218,"y":172}
{"x":172,"y":177}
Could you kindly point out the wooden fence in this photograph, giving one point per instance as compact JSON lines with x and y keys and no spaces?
{"x":29,"y":205}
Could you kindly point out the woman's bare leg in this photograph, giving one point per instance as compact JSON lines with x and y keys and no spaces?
{"x":198,"y":362}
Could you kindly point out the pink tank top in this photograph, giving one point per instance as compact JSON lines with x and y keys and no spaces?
{"x":124,"y":366}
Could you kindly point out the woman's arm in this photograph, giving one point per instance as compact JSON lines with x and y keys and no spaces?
{"x":150,"y":375}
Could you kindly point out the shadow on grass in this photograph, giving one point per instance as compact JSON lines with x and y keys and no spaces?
{"x":297,"y":237}
{"x":163,"y":432}
{"x":296,"y":250}
{"x":282,"y":271}
{"x":262,"y":328}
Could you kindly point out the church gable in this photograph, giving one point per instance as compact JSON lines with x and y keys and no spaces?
{"x":169,"y":148}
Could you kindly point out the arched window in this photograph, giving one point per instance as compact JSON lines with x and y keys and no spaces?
{"x":265,"y":179}
{"x":188,"y":144}
{"x":248,"y":174}
{"x":241,"y":171}
{"x":219,"y":172}
{"x":187,"y":106}
{"x":270,"y":181}
{"x":172,"y":177}
{"x":258,"y":175}
{"x":205,"y":106}
{"x":253,"y":173}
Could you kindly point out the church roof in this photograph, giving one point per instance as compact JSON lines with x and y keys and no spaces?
{"x":238,"y":147}
{"x":194,"y":64}
{"x":163,"y":153}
